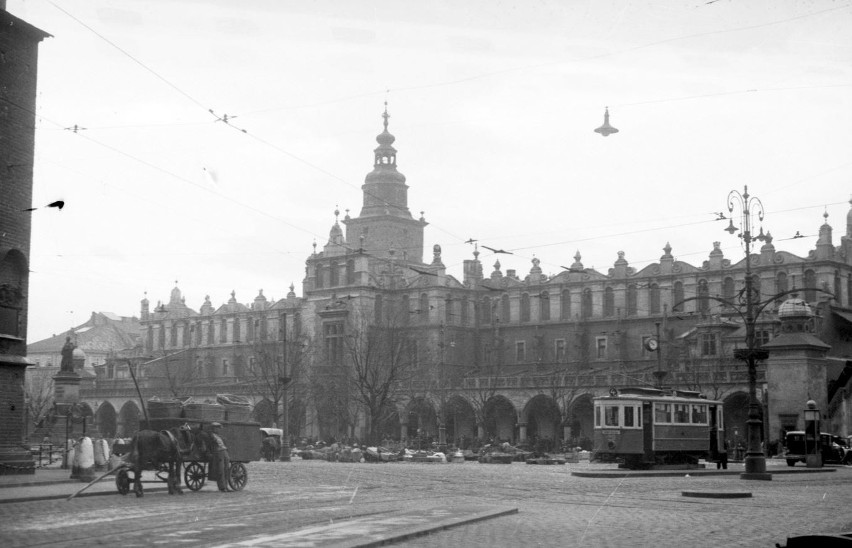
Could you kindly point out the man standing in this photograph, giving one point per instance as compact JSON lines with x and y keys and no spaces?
{"x":220,"y":461}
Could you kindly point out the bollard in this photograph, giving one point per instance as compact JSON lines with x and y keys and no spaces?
{"x":83,"y":467}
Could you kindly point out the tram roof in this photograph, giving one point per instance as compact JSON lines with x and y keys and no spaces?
{"x":642,"y":393}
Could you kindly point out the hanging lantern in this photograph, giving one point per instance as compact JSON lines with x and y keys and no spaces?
{"x":606,"y":129}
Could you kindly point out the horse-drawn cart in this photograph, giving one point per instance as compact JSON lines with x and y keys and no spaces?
{"x":243,"y":440}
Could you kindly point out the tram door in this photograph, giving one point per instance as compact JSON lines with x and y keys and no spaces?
{"x":648,"y":430}
{"x":714,"y":434}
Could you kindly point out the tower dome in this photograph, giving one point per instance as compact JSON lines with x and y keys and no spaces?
{"x":795,"y":308}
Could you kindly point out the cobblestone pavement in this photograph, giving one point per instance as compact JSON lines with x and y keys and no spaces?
{"x":315,"y":503}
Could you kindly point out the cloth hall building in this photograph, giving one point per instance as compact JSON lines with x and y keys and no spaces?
{"x":486,"y":353}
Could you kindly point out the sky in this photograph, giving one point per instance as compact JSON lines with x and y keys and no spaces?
{"x":493,"y":104}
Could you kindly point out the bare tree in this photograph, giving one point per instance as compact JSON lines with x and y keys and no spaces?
{"x":38,"y":395}
{"x":380,"y":359}
{"x":276,"y":368}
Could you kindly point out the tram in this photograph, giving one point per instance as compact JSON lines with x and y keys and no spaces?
{"x":644,"y":427}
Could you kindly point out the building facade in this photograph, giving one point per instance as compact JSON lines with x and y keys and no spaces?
{"x":497,"y":355}
{"x":19,"y":59}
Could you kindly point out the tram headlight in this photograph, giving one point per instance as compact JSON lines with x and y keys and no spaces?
{"x":611,"y":444}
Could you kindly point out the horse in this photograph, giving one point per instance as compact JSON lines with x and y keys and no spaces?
{"x":154,"y":450}
{"x":270,"y":448}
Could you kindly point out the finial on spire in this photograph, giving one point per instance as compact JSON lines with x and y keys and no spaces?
{"x":336,"y":213}
{"x":386,"y":115}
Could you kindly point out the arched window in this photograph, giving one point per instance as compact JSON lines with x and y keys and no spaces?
{"x":237,"y":330}
{"x":544,"y":311}
{"x":506,"y":311}
{"x":149,"y":343}
{"x":161,"y":337}
{"x":728,"y":289}
{"x":211,"y":332}
{"x":173,"y":331}
{"x":525,"y":307}
{"x":586,"y":308}
{"x":405,"y":310}
{"x":810,"y":286}
{"x":609,"y":302}
{"x":565,"y":305}
{"x":223,"y":331}
{"x":849,"y":290}
{"x":320,"y":276}
{"x":781,"y":285}
{"x":424,"y":308}
{"x":654,"y":299}
{"x":350,"y":272}
{"x":449,"y":313}
{"x":837,"y":297}
{"x":703,"y":297}
{"x":334,"y":275}
{"x":485,"y":311}
{"x":377,"y":312}
{"x":464,"y":310}
{"x":677,"y":305}
{"x":631,"y":300}
{"x":187,"y":339}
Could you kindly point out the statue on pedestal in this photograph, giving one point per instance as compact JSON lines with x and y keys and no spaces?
{"x":67,"y":354}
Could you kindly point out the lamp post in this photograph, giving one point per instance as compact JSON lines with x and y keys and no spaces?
{"x":442,"y":418}
{"x":755,"y":460}
{"x":284,"y":382}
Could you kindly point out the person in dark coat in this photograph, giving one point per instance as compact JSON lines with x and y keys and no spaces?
{"x":220,"y":461}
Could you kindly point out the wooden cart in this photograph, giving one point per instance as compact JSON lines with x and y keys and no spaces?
{"x":242,"y":438}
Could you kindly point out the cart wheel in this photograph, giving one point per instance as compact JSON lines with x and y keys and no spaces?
{"x":239,"y":476}
{"x":194,"y":476}
{"x":122,"y":481}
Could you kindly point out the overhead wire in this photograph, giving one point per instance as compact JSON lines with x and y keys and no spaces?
{"x":451,"y":82}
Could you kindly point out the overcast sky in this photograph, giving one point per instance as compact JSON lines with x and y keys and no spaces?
{"x":493,"y":105}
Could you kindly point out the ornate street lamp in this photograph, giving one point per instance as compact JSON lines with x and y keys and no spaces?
{"x":606,"y":130}
{"x":755,"y":460}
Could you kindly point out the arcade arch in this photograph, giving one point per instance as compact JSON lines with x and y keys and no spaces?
{"x":106,"y":420}
{"x":128,"y":420}
{"x":544,"y":422}
{"x":461,"y":422}
{"x":500,"y":419}
{"x":581,"y":422}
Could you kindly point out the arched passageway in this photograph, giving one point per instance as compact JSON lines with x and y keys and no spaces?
{"x":544,"y":424}
{"x":389,"y":426}
{"x":461,"y":422}
{"x":265,"y":414}
{"x":128,"y":420}
{"x":581,"y":422}
{"x":422,"y":423}
{"x":735,"y":409}
{"x":500,"y":419}
{"x":106,"y":422}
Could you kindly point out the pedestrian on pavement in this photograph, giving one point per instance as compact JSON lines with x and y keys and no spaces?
{"x":220,"y":461}
{"x":722,"y":462}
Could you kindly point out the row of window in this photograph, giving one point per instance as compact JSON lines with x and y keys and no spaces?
{"x":490,"y":310}
{"x":629,"y":415}
{"x":186,"y":334}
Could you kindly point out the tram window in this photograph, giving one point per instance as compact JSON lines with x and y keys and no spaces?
{"x":597,"y":416}
{"x":628,"y":417}
{"x":662,"y":412}
{"x":681,"y":413}
{"x":699,"y":414}
{"x":611,"y":415}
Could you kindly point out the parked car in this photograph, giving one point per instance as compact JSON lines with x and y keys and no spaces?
{"x":829,"y":446}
